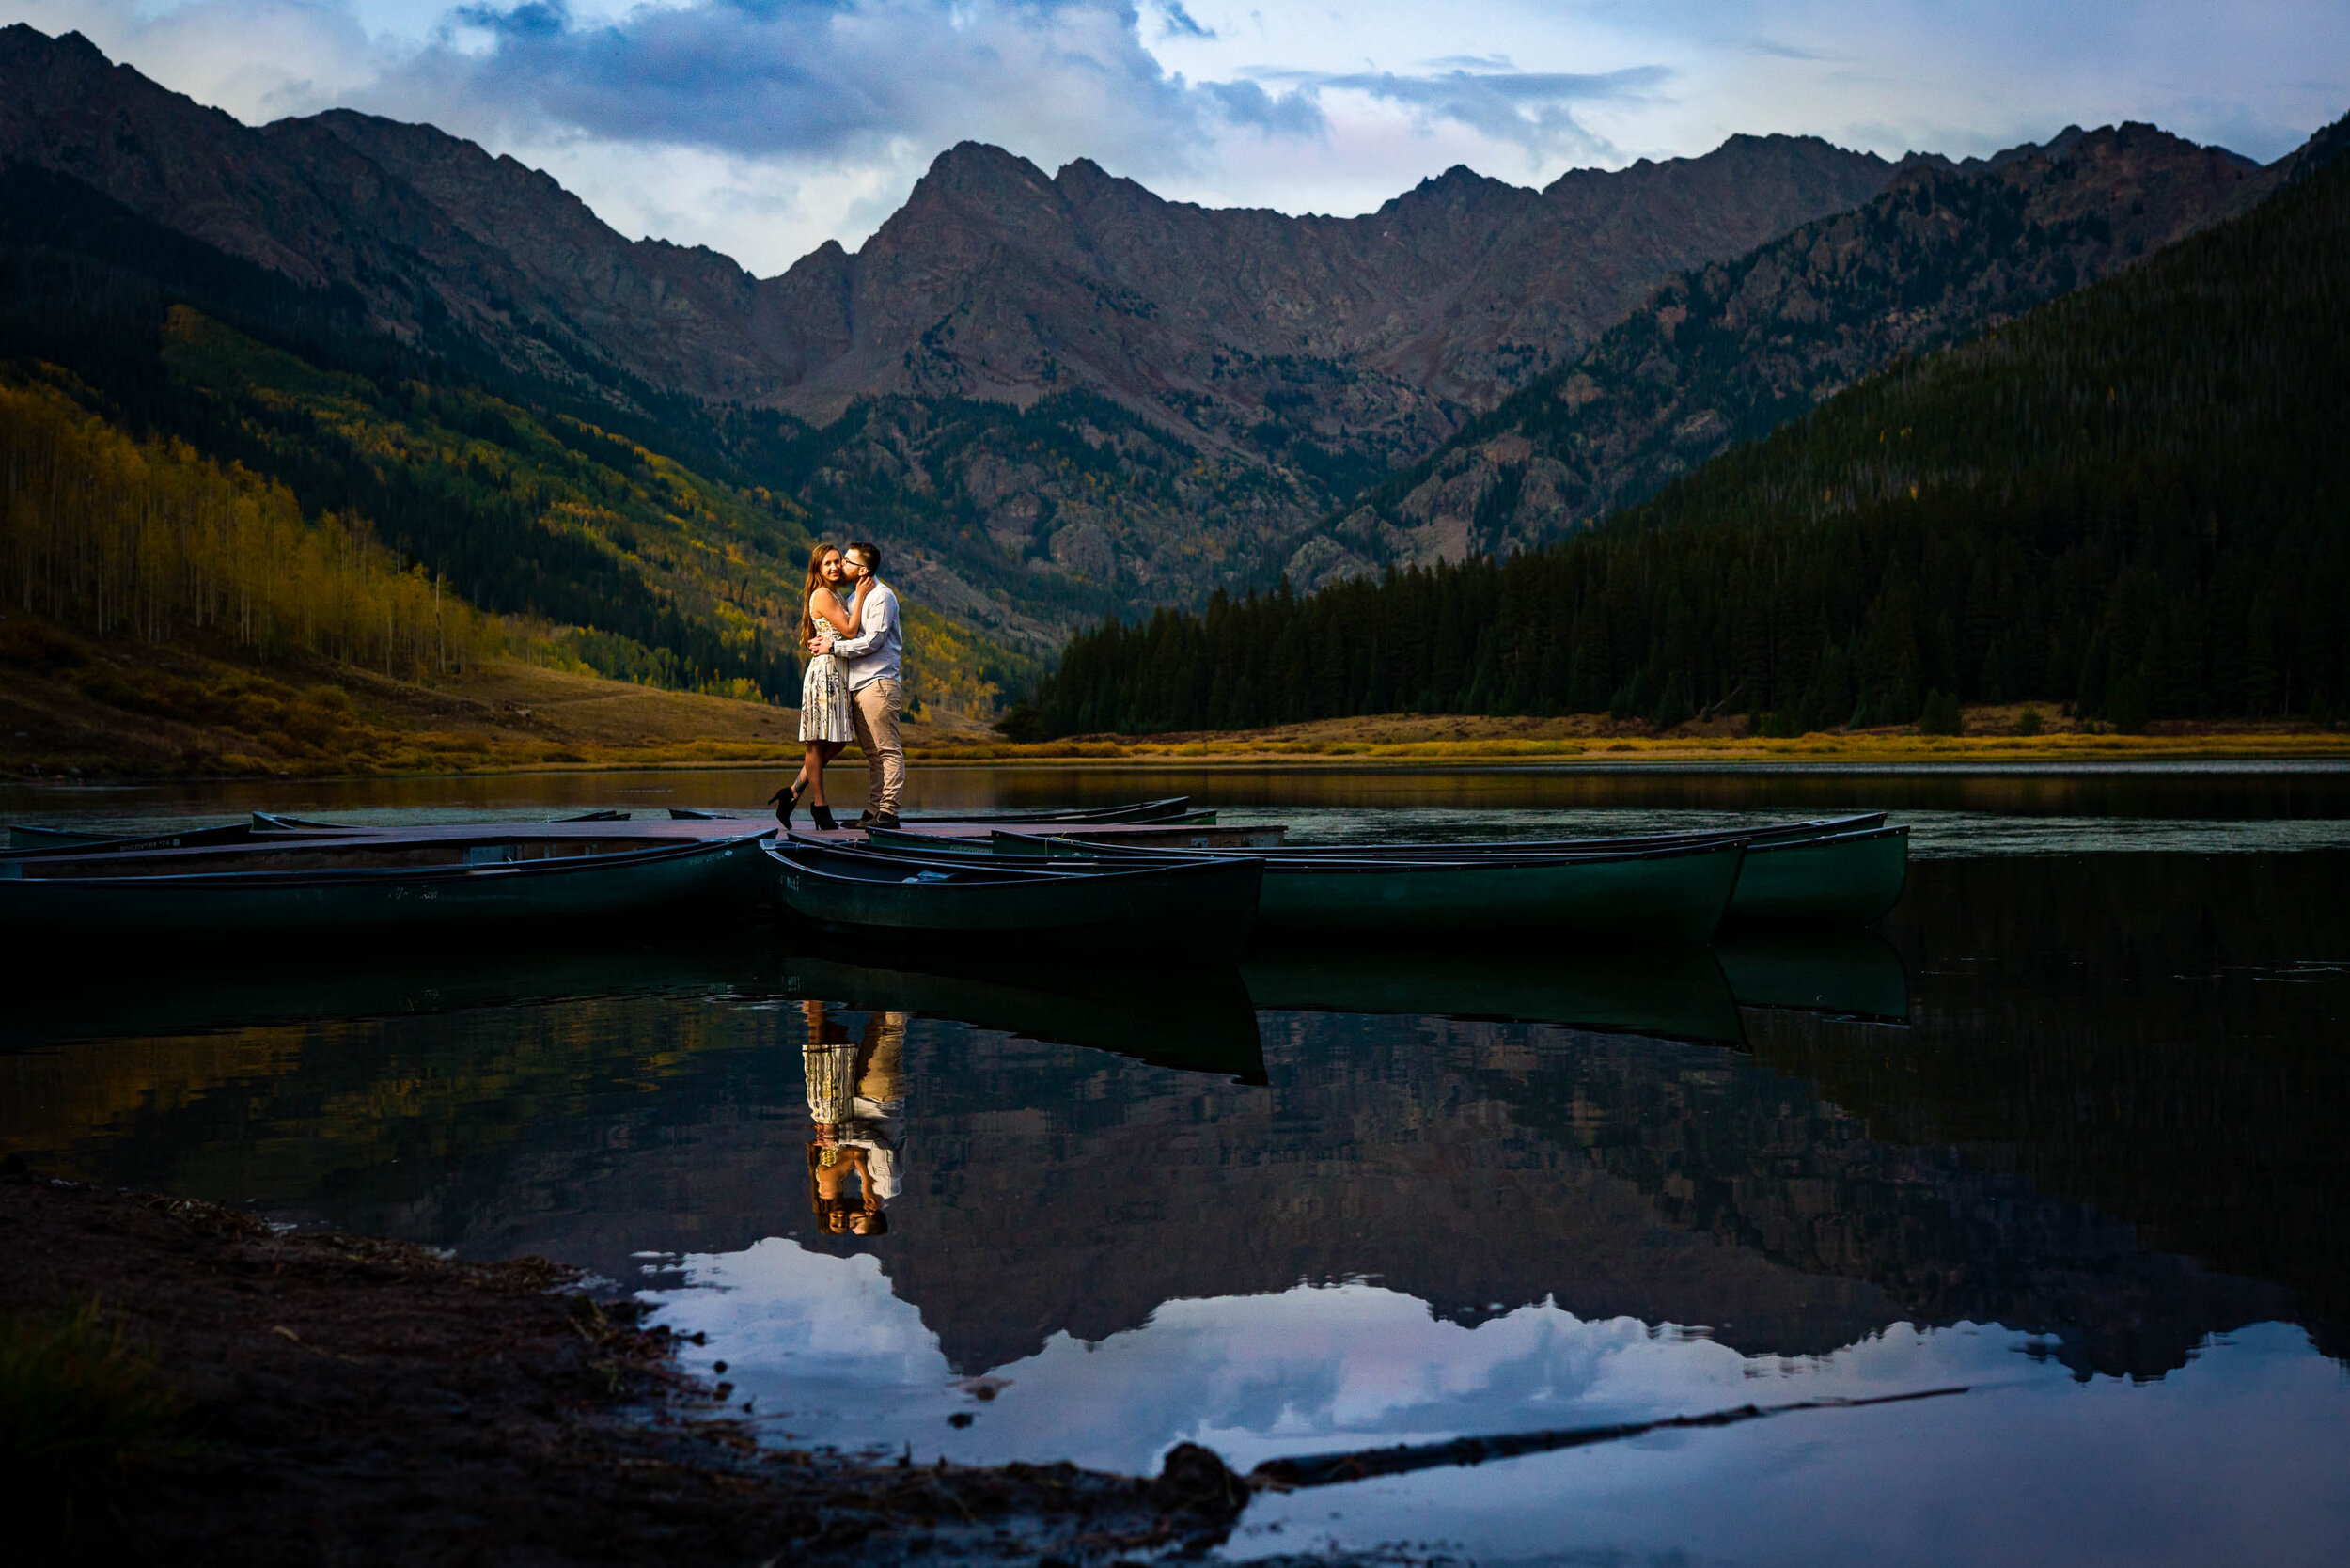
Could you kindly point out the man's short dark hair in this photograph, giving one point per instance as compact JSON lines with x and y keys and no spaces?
{"x":871,"y":553}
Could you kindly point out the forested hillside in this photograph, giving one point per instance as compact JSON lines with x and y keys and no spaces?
{"x":2131,"y":499}
{"x":508,"y":491}
{"x":149,"y":539}
{"x":1728,"y":352}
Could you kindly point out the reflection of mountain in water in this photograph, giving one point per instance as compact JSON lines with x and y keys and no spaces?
{"x":2159,"y":1036}
{"x":2047,"y":1147}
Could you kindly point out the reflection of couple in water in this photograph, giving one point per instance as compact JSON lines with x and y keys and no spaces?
{"x":855,"y":1096}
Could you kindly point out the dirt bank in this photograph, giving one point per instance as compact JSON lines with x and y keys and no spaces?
{"x":242,"y":1396}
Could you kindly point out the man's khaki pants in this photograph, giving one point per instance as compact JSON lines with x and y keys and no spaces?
{"x":873,"y":710}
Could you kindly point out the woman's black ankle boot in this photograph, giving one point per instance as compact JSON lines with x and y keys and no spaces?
{"x":823,"y":818}
{"x":783,"y":800}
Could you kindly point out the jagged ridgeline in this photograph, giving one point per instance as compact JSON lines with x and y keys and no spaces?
{"x":1728,"y":352}
{"x":2130,"y":499}
{"x":579,"y":514}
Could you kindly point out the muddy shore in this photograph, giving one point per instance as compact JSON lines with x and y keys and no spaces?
{"x":320,"y":1398}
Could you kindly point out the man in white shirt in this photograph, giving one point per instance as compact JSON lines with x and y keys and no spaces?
{"x":875,"y":697}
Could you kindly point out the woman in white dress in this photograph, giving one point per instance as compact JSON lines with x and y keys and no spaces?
{"x":825,"y":689}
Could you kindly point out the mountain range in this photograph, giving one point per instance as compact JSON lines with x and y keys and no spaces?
{"x":1726,"y":352}
{"x":1061,"y":396}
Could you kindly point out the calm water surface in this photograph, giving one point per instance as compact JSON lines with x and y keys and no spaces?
{"x":2065,"y":1133}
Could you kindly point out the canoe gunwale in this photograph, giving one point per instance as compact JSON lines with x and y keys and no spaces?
{"x":379,"y":876}
{"x":986,"y":876}
{"x":1200,"y":907}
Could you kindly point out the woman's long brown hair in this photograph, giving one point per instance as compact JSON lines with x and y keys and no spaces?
{"x":808,"y":591}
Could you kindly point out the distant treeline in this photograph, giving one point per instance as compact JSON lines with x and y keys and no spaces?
{"x":2135,"y":499}
{"x":149,"y":539}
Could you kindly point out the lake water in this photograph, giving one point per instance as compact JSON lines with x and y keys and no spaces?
{"x":2065,"y":1135}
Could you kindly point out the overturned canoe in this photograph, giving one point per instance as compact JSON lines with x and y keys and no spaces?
{"x":345,"y":887}
{"x":1191,"y":907}
{"x":1658,"y":896}
{"x":1846,"y":870}
{"x":1670,"y":895}
{"x":51,"y":842}
{"x":1841,"y":879}
{"x":1071,"y":842}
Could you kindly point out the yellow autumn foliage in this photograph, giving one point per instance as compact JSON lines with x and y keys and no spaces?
{"x":151,"y":540}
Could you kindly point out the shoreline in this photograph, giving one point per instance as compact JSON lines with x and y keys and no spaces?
{"x":200,"y":1386}
{"x":2312,"y":751}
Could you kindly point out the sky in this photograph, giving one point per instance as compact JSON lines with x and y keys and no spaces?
{"x":762,"y":128}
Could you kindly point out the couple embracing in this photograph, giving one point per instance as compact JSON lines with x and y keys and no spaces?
{"x":849,"y":625}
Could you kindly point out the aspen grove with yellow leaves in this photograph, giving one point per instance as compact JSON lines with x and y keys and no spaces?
{"x":124,"y":538}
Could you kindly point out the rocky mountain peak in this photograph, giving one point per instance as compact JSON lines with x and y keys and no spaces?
{"x":979,"y":171}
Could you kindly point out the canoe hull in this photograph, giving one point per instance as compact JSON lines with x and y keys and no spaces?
{"x":1850,"y":879}
{"x":1671,"y":898}
{"x":721,"y":877}
{"x":1198,"y":910}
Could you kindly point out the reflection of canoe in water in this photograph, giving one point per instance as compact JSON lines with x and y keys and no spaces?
{"x":1846,"y":879}
{"x":1677,"y":992}
{"x":1200,"y":1020}
{"x":358,"y":886}
{"x":197,"y":993}
{"x":1853,"y":974}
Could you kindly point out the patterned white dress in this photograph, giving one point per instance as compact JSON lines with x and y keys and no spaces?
{"x":825,"y":695}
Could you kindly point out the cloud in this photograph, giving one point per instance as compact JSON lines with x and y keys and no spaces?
{"x":1528,"y":108}
{"x":1178,"y":25}
{"x":1245,"y":104}
{"x":260,"y":59}
{"x":764,"y":126}
{"x":837,"y":78}
{"x":1755,"y":44}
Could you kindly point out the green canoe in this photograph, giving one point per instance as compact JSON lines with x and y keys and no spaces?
{"x":28,"y":843}
{"x":1658,"y":896}
{"x":1189,"y":908}
{"x":363,"y":886}
{"x":1844,"y":879}
{"x":1073,"y":842}
{"x":1673,"y":895}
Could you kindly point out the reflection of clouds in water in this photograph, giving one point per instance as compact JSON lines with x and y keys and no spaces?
{"x":2235,"y":1459}
{"x":2205,"y":1465}
{"x":821,"y":1343}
